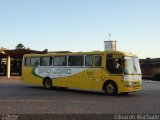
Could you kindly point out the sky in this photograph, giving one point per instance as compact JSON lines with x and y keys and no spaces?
{"x":81,"y":25}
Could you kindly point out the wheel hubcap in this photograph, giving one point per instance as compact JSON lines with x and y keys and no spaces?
{"x":110,"y":89}
{"x":48,"y":84}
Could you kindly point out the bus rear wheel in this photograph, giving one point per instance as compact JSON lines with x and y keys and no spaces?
{"x":47,"y":83}
{"x":111,"y":88}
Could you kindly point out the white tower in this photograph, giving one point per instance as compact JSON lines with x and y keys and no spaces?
{"x":110,"y":44}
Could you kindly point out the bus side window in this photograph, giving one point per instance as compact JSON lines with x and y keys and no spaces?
{"x":46,"y":61}
{"x":34,"y":61}
{"x":114,"y":66}
{"x":76,"y":61}
{"x":60,"y":61}
{"x":89,"y":60}
{"x":64,"y":60}
{"x":27,"y":62}
{"x":98,"y":61}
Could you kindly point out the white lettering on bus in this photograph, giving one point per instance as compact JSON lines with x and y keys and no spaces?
{"x":54,"y":71}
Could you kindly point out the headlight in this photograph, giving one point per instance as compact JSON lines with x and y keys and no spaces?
{"x":129,"y":83}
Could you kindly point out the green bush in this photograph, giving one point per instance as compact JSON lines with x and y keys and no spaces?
{"x":156,"y":77}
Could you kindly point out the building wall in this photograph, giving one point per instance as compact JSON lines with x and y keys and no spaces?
{"x":150,"y":67}
{"x":11,"y":61}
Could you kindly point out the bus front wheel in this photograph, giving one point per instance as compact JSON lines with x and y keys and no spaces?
{"x":47,"y":83}
{"x":111,"y":88}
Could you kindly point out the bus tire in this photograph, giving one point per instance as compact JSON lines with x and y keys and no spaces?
{"x":47,"y":83}
{"x":111,"y":88}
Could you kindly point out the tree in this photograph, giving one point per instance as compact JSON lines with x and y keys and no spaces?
{"x":20,"y":46}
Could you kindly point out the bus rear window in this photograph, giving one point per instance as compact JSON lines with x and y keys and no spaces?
{"x":27,"y":62}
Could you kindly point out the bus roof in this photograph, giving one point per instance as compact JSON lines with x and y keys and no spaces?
{"x":81,"y":53}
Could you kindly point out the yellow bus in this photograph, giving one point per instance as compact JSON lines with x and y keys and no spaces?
{"x":113,"y":72}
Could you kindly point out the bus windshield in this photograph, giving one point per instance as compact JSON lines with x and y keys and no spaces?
{"x":131,"y":65}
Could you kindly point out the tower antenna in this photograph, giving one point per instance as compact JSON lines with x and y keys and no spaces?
{"x":109,"y":36}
